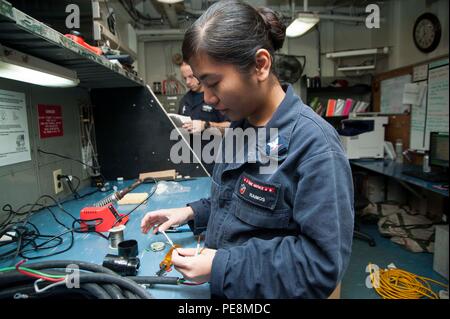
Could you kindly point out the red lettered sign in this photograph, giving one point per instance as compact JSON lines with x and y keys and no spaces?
{"x":50,"y":120}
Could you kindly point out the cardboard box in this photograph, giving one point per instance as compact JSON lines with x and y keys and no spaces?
{"x":440,"y":259}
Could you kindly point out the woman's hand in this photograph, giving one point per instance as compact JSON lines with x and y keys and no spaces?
{"x":196,"y":268}
{"x":164,"y":218}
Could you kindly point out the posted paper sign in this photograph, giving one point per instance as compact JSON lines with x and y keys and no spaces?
{"x":414,"y":93}
{"x":391,"y":98}
{"x":14,"y":137}
{"x":50,"y":120}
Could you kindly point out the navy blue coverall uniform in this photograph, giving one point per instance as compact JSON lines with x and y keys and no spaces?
{"x":192,"y":104}
{"x":287,"y":234}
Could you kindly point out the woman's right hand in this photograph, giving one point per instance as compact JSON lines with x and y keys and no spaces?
{"x":164,"y":218}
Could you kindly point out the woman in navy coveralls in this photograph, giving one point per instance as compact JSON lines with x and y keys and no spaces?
{"x":283,"y":234}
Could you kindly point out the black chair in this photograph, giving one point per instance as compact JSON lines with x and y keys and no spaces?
{"x":363,"y":236}
{"x":361,"y":203}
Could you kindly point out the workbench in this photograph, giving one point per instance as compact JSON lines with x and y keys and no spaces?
{"x":91,"y":247}
{"x":394,"y":170}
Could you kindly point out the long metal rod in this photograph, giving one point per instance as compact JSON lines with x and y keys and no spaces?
{"x":319,"y":66}
{"x":343,"y":17}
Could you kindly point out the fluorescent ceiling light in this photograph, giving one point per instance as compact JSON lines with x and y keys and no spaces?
{"x":302,"y":24}
{"x":341,"y":54}
{"x":170,"y":1}
{"x":22,"y":67}
{"x":357,"y":68}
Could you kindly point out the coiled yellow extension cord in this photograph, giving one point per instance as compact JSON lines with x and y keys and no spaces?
{"x":400,"y":284}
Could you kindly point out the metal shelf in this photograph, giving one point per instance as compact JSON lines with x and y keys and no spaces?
{"x":24,"y":33}
{"x":352,"y":90}
{"x":358,"y":69}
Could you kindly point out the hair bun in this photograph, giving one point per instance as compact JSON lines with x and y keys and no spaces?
{"x":277,"y":29}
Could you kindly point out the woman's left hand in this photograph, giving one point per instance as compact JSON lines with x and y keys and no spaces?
{"x":196,"y":268}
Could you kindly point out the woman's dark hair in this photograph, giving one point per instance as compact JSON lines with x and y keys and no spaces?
{"x":232,"y":32}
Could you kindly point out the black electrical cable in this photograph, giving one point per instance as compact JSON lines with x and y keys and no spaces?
{"x":62,"y":264}
{"x":56,"y":219}
{"x":16,"y":278}
{"x":129,"y":295}
{"x":102,"y":282}
{"x":24,"y":233}
{"x":122,"y":282}
{"x":73,"y":189}
{"x":113,"y":291}
{"x":87,"y":290}
{"x":70,"y":231}
{"x":36,"y":203}
{"x":32,"y":237}
{"x":79,"y":182}
{"x":43,"y":246}
{"x":25,"y":237}
{"x":12,"y":291}
{"x":29,"y":291}
{"x":69,"y":158}
{"x":8,"y":208}
{"x":20,"y":234}
{"x":89,"y":228}
{"x":153,"y":280}
{"x":94,"y":169}
{"x":52,"y":238}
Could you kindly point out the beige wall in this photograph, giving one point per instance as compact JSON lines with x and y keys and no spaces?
{"x":158,"y":60}
{"x":403,"y":16}
{"x":24,"y":182}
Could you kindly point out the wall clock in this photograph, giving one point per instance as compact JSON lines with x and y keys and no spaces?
{"x":427,"y":32}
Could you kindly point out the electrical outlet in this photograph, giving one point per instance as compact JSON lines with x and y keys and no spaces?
{"x":57,"y":183}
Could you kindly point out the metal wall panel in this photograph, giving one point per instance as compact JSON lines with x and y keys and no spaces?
{"x":24,"y":182}
{"x":133,"y":134}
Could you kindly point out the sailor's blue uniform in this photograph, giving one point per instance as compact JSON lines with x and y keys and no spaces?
{"x":287,"y":234}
